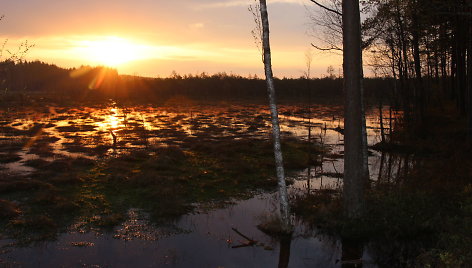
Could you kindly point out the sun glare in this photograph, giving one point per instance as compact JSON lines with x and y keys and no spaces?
{"x":111,"y":51}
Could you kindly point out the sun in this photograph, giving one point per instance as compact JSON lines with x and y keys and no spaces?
{"x":110,"y":51}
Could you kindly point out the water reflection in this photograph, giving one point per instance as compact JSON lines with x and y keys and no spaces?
{"x":206,"y":237}
{"x":328,"y":130}
{"x":284,"y":252}
{"x":352,"y":253}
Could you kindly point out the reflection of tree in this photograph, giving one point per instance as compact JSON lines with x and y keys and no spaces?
{"x":284,"y":254}
{"x":284,"y":240}
{"x":351,"y":254}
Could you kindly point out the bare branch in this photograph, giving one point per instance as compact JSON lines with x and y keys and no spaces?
{"x":257,"y":31}
{"x":326,"y":48}
{"x":327,"y":8}
{"x":3,"y":48}
{"x":17,"y":55}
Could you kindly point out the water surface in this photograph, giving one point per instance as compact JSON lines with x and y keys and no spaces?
{"x":206,"y":237}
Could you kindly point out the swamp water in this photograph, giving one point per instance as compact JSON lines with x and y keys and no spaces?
{"x":209,"y":236}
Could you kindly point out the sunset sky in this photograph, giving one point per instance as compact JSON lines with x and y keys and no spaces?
{"x":155,"y":37}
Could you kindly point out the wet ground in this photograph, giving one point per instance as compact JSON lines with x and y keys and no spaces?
{"x":209,"y":235}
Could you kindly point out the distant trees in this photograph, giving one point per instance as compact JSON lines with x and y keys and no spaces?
{"x":48,"y":78}
{"x":42,"y":77}
{"x":38,"y":76}
{"x":330,"y":71}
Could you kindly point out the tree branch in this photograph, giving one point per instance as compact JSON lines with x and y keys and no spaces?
{"x":327,"y":8}
{"x":326,"y":48}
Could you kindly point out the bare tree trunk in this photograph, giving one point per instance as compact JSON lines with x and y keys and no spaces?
{"x":469,"y":78}
{"x":443,"y":50}
{"x":453,"y":71}
{"x":354,"y":166}
{"x":419,"y":79}
{"x":460,"y":39}
{"x":393,"y":99}
{"x":404,"y":57}
{"x":284,"y":206}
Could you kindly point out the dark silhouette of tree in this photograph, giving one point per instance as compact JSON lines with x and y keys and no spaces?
{"x":355,"y":173}
{"x":425,"y":44}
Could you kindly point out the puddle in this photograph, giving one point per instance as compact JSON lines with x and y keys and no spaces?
{"x":207,"y":237}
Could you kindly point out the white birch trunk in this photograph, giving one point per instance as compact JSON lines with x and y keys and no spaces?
{"x":283,"y":196}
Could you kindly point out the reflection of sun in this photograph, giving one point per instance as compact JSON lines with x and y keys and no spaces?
{"x":110,"y":51}
{"x":111,"y":121}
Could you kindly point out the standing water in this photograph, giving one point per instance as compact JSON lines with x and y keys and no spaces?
{"x":209,"y":236}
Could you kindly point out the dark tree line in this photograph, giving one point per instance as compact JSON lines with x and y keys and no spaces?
{"x":98,"y":83}
{"x":39,"y":77}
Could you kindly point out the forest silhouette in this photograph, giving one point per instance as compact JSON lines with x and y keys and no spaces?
{"x":98,"y":83}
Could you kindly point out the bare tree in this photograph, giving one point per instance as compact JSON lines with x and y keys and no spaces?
{"x":355,"y":160}
{"x":327,"y":25}
{"x":13,"y":56}
{"x":283,"y":195}
{"x":9,"y":58}
{"x":308,"y":62}
{"x":330,"y":71}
